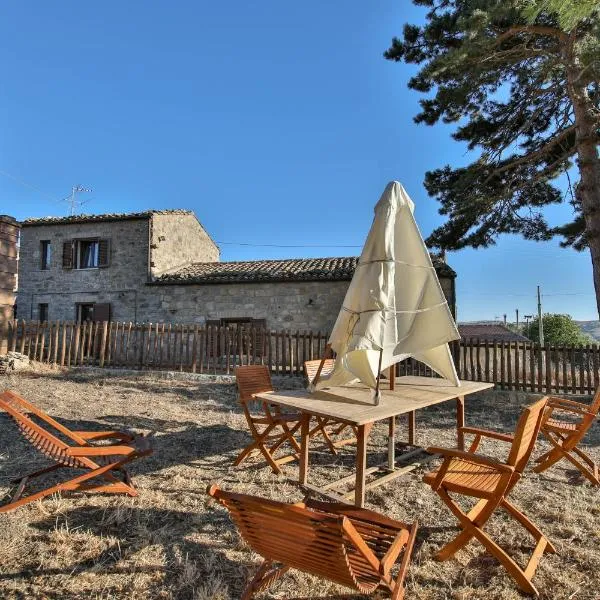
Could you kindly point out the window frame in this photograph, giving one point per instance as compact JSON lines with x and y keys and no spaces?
{"x":77,"y":257}
{"x":45,"y":310}
{"x":45,"y":255}
{"x":78,"y":311}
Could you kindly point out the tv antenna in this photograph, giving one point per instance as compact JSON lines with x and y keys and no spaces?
{"x":73,"y":201}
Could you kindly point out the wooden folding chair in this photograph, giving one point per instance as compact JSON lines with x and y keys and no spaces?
{"x":469,"y":474}
{"x":100,"y":461}
{"x":270,"y":428}
{"x":351,"y":546}
{"x":565,"y":436}
{"x":328,"y":427}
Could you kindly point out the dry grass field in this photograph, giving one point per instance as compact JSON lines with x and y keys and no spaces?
{"x":172,"y":542}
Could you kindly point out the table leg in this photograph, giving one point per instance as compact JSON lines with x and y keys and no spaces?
{"x":392,"y":443}
{"x":412,"y":427}
{"x":460,"y":421}
{"x":304,"y":435}
{"x":361,"y":463}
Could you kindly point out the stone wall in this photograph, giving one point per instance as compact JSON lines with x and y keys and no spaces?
{"x":177,"y":240}
{"x":303,"y":305}
{"x":120,"y":283}
{"x":9,"y":239}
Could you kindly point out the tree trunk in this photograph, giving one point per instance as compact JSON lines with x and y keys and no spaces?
{"x":588,"y":162}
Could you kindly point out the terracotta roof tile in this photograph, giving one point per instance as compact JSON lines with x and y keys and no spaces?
{"x":490,"y":332}
{"x":295,"y":269}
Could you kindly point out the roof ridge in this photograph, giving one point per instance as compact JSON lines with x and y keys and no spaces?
{"x":105,"y":216}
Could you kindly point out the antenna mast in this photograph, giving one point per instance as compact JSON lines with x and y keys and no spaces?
{"x":72,"y":200}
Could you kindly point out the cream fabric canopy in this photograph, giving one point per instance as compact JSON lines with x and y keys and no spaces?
{"x":394,"y":302}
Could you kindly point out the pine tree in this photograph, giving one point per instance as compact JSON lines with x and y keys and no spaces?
{"x":520,"y":78}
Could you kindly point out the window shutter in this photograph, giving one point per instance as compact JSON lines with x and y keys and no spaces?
{"x":102,"y":311}
{"x":67,"y":259}
{"x":103,"y":253}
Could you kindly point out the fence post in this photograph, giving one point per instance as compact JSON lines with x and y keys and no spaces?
{"x":103,"y":342}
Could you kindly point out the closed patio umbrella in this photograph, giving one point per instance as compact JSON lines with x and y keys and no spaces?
{"x":395,"y":307}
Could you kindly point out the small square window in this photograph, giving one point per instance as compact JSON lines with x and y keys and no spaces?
{"x":43,"y":312}
{"x":46,"y":254}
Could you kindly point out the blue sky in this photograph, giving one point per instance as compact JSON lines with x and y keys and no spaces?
{"x":276,"y":122}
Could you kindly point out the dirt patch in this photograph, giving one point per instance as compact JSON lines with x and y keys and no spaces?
{"x":172,"y":542}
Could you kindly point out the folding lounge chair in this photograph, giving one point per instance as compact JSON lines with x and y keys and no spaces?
{"x":351,"y":546}
{"x":328,"y":427}
{"x":270,"y":428}
{"x":474,"y":475}
{"x":565,"y":436}
{"x":100,"y":461}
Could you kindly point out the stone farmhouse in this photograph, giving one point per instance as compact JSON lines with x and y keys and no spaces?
{"x":162,"y":266}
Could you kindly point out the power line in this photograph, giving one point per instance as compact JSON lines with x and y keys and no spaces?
{"x":287,"y":246}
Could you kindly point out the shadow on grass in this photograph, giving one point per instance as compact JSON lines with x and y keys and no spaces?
{"x":186,"y":565}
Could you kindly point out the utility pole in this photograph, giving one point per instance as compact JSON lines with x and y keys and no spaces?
{"x":540,"y":320}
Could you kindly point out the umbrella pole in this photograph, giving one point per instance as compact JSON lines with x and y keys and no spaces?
{"x":326,"y":354}
{"x":378,"y":377}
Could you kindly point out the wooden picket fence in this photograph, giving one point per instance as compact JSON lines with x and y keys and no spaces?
{"x":520,"y":366}
{"x":164,"y":346}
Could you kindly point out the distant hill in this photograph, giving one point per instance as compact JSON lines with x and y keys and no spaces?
{"x":591,"y":328}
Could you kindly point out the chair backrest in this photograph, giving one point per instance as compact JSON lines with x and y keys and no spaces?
{"x":314,"y":542}
{"x":595,"y":405}
{"x":526,"y":434}
{"x":38,"y":435}
{"x":312,"y":366}
{"x":252,"y":379}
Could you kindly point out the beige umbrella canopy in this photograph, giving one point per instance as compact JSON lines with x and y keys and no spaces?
{"x":395,"y":307}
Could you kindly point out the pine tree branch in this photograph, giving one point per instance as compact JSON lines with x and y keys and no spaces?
{"x":532,"y":156}
{"x":535,"y":29}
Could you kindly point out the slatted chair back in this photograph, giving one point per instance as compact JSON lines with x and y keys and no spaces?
{"x":326,"y":545}
{"x":252,"y":379}
{"x":312,"y":366}
{"x":526,"y":434}
{"x":595,"y":405}
{"x":43,"y":440}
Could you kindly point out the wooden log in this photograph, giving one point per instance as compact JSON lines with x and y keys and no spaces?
{"x":227,"y":350}
{"x":517,"y":367}
{"x":573,"y":371}
{"x":595,"y":365}
{"x":565,"y":384}
{"x":502,"y":365}
{"x":71,"y":352}
{"x":63,"y":344}
{"x":588,"y":352}
{"x":508,"y":350}
{"x":548,"y":353}
{"x":127,"y":340}
{"x":270,"y":349}
{"x":195,"y":350}
{"x":290,"y":352}
{"x":103,"y":339}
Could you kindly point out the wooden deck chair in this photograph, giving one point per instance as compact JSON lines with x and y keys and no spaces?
{"x":351,"y":546}
{"x":328,"y":427}
{"x":270,"y":428}
{"x":101,"y":462}
{"x":566,"y":435}
{"x":469,"y":474}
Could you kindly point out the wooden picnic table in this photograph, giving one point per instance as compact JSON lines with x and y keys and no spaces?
{"x":353,"y":404}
